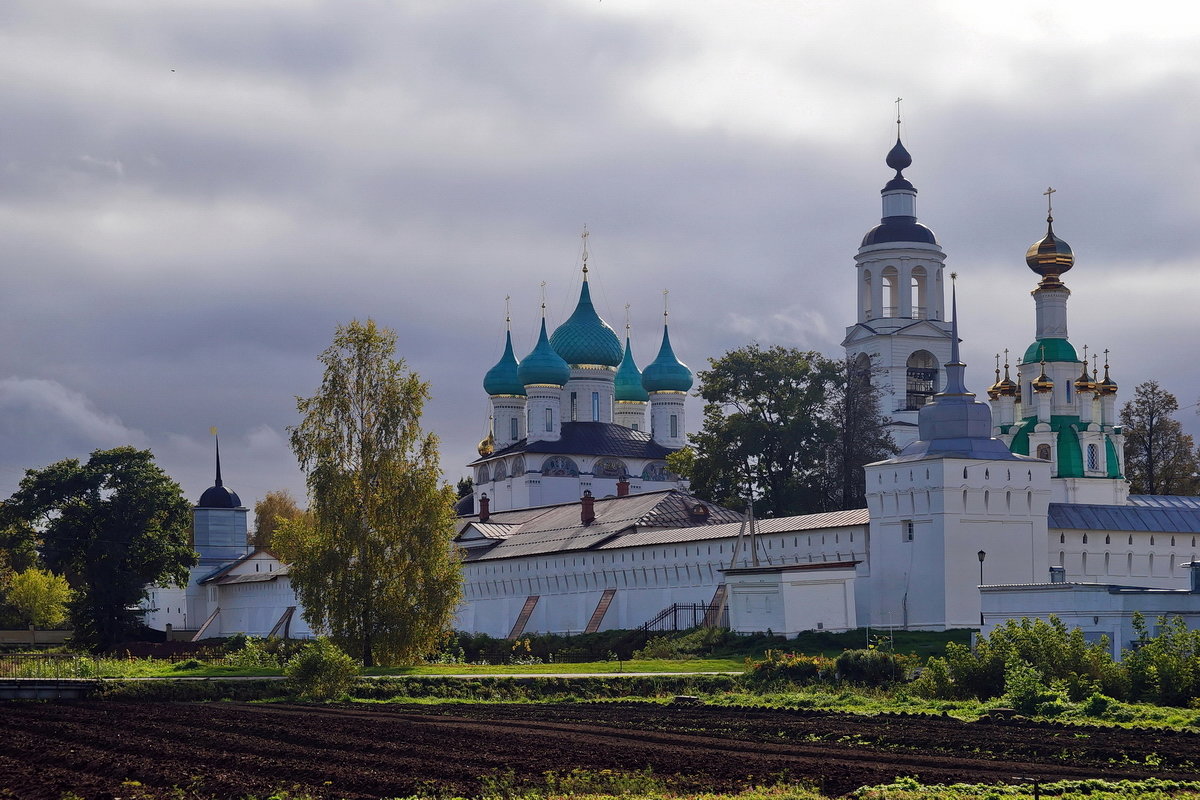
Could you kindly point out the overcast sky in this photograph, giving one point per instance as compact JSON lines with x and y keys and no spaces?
{"x":194,"y":194}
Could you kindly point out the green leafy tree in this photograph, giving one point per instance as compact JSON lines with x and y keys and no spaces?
{"x":271,"y":511}
{"x":375,"y":566}
{"x":40,"y":597}
{"x":111,"y":526}
{"x":1159,"y":457}
{"x":464,"y":487}
{"x":793,"y":427}
{"x":321,"y":671}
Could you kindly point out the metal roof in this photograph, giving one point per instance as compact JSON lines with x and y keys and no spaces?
{"x":559,"y":528}
{"x":589,"y":438}
{"x":253,"y":577}
{"x":491,"y":530}
{"x":1164,"y":518}
{"x":807,"y":522}
{"x":1164,"y":501}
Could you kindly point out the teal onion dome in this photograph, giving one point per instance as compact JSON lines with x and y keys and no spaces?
{"x":627,"y":385}
{"x":543,"y":365}
{"x":503,"y":378}
{"x":666,"y":373}
{"x":585,"y":338}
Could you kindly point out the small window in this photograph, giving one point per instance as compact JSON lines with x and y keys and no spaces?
{"x":595,"y":406}
{"x":512,"y":428}
{"x":1085,"y":538}
{"x":549,"y":420}
{"x":907,"y":529}
{"x":674,"y":426}
{"x":1062,"y":538}
{"x":1093,"y":457}
{"x":1043,"y":452}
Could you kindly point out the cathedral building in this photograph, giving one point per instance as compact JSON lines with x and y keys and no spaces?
{"x":577,"y":416}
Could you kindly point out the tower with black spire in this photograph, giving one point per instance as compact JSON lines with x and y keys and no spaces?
{"x":219,"y":523}
{"x":900,"y":330}
{"x":955,"y":509}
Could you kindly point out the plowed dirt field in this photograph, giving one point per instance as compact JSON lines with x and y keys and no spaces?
{"x":229,"y":750}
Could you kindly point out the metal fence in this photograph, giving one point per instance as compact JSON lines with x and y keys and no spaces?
{"x":681,"y":616}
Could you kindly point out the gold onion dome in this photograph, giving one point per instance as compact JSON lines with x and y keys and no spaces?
{"x":487,"y":445}
{"x":1050,"y":256}
{"x":1108,"y":385}
{"x":994,"y":390}
{"x":1042,"y":383}
{"x":1008,"y":387}
{"x":1085,"y":382}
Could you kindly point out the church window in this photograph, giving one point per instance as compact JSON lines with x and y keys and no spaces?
{"x":484,"y":476}
{"x":1062,"y":538}
{"x":1152,"y":541}
{"x":499,"y":473}
{"x":918,"y":294}
{"x":674,"y":426}
{"x":1172,"y":541}
{"x":609,"y":468}
{"x":559,"y":467}
{"x":549,"y":420}
{"x":1043,"y":452}
{"x":512,"y":429}
{"x":574,"y":416}
{"x":1131,"y":539}
{"x":891,"y":292}
{"x":964,"y":473}
{"x":1106,"y":560}
{"x":1068,"y":391}
{"x":1085,"y":538}
{"x":908,"y":530}
{"x":1108,"y":539}
{"x":1093,"y":457}
{"x":635,"y":427}
{"x":595,"y":406}
{"x":519,"y":466}
{"x":922,"y":379}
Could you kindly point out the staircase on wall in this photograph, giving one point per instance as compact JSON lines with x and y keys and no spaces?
{"x":523,"y":618}
{"x":718,"y":614}
{"x":601,"y":609}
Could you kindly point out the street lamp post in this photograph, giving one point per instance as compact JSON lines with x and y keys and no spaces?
{"x":982,"y":555}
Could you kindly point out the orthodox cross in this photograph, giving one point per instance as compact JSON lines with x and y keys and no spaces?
{"x":1049,"y":200}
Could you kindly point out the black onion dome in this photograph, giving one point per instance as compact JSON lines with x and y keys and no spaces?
{"x":899,"y":229}
{"x":1049,"y":256}
{"x":898,"y":158}
{"x":219,"y":497}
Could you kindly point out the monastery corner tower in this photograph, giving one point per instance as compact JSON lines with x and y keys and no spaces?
{"x":901,"y":329}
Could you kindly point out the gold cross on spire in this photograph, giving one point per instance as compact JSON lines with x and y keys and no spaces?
{"x":665,"y":293}
{"x":507,"y":309}
{"x":627,"y":319}
{"x":543,"y":299}
{"x":898,"y":99}
{"x":1050,"y":190}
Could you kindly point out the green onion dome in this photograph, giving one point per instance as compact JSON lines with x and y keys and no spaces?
{"x":503,"y":378}
{"x":585,"y":338}
{"x":666,"y":373}
{"x":543,"y":365}
{"x":627,"y":385}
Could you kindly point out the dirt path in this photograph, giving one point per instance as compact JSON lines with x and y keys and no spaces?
{"x":228,"y":750}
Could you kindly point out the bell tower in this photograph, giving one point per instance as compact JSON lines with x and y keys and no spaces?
{"x":901,"y":330}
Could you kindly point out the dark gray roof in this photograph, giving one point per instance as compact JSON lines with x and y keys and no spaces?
{"x":558,"y":528}
{"x":1163,"y":518}
{"x":1164,"y":501}
{"x":592,"y":439}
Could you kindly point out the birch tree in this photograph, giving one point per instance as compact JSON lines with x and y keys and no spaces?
{"x":373,"y":564}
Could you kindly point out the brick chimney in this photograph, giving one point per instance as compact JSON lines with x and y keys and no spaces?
{"x":587,"y":508}
{"x":484,"y":511}
{"x":623,"y":487}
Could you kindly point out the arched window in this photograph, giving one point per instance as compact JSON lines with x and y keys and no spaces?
{"x":918,"y":293}
{"x":867,"y":295}
{"x":891,"y":292}
{"x":1093,"y":457}
{"x":559,"y":467}
{"x":482,"y":475}
{"x":498,"y":471}
{"x":1043,"y":452}
{"x":609,"y":468}
{"x":1062,"y":538}
{"x":922,"y":382}
{"x":518,"y":466}
{"x":1085,"y":538}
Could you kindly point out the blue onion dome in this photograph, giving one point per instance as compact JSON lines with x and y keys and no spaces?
{"x":627,"y":385}
{"x":543,"y":366}
{"x":901,"y":223}
{"x":503,"y":379}
{"x":585,"y":338}
{"x":666,"y":373}
{"x":899,"y":160}
{"x":1049,"y":256}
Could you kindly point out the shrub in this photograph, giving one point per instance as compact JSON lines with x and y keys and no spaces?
{"x":872,"y":667}
{"x":1023,"y":687}
{"x":321,"y":671}
{"x":252,"y":654}
{"x":780,"y":668}
{"x":934,"y":682}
